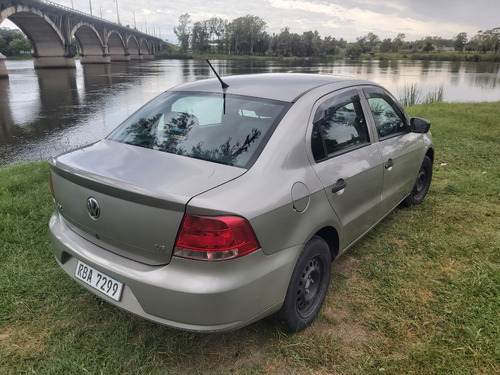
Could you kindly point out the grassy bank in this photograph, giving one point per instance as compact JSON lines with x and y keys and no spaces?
{"x":420,"y":294}
{"x":381,"y":56}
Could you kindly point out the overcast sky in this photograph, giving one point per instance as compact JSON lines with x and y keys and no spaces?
{"x":337,"y":18}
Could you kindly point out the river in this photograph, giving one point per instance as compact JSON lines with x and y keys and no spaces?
{"x":45,"y":112}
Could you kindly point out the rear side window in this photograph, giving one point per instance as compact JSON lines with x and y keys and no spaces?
{"x":339,"y":126}
{"x":220,"y":128}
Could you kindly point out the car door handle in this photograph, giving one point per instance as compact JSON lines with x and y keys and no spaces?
{"x":339,"y":185}
{"x":389,"y":164}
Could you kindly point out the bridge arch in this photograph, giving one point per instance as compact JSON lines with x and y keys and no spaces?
{"x":117,"y":48}
{"x":133,"y":48}
{"x":48,"y":41}
{"x":50,"y":28}
{"x":93,"y":48}
{"x":144,"y":47}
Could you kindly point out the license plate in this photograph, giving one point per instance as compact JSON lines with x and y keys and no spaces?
{"x":99,"y":281}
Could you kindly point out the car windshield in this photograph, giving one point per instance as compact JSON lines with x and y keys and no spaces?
{"x":221,"y":128}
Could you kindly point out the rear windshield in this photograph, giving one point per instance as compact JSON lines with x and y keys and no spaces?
{"x":225,"y":129}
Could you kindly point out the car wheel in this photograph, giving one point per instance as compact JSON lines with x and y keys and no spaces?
{"x":422,"y":184}
{"x":308,"y":286}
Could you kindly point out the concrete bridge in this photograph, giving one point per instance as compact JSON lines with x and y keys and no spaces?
{"x":50,"y":28}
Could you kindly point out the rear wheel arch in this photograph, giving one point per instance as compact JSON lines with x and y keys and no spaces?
{"x":331,"y":236}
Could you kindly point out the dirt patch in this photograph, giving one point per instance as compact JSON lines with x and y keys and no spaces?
{"x":346,"y":331}
{"x":342,"y":324}
{"x":19,"y":339}
{"x":345,"y":265}
{"x":343,"y":314}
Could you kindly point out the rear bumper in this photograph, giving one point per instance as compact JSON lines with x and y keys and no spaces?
{"x":185,"y":294}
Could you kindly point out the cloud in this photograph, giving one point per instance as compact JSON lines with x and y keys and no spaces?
{"x":337,"y":18}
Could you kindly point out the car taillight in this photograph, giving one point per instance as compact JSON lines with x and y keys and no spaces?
{"x":215,"y":238}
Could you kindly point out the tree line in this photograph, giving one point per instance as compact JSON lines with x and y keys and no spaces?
{"x":13,"y":42}
{"x":247,"y":36}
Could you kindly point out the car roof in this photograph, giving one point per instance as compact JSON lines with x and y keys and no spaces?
{"x":279,"y":86}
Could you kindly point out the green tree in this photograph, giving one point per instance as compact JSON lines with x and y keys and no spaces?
{"x":367,"y":42}
{"x":18,"y":46}
{"x":243,"y":34}
{"x":13,"y":42}
{"x":311,"y":43}
{"x":428,"y":44}
{"x":353,"y":50}
{"x":386,"y":45}
{"x":216,"y":29}
{"x":460,"y":41}
{"x":3,"y":46}
{"x":373,"y":40}
{"x":297,"y":48}
{"x":199,"y":36}
{"x":182,"y":31}
{"x":398,"y":42}
{"x":488,"y":41}
{"x":341,"y":43}
{"x":284,"y":43}
{"x":329,"y":46}
{"x":262,"y":44}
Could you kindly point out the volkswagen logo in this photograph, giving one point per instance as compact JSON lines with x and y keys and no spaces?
{"x":93,"y":208}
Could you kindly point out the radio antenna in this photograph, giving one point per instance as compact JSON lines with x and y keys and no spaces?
{"x":223,"y":84}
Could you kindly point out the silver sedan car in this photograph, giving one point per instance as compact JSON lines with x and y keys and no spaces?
{"x":221,"y":202}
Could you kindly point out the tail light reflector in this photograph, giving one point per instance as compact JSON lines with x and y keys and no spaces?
{"x":215,"y":238}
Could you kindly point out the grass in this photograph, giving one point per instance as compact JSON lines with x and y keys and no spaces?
{"x":419,"y":295}
{"x":411,"y":95}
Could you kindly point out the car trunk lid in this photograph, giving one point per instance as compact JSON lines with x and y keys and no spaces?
{"x":131,"y":200}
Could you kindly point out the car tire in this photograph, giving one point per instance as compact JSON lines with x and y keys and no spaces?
{"x":422,"y":184}
{"x":308,"y":286}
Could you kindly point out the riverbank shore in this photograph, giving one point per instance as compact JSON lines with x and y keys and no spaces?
{"x":403,"y":55}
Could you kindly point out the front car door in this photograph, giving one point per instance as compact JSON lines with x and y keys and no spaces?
{"x":347,"y":162}
{"x":399,"y":147}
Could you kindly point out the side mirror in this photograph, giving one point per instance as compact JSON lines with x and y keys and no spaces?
{"x":419,"y":125}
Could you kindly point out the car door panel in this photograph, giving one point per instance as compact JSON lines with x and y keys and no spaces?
{"x":347,"y":163}
{"x":357,"y":204}
{"x":399,"y":179}
{"x":399,"y":148}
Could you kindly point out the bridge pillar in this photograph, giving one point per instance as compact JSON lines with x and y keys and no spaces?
{"x":53,"y":58}
{"x":42,"y":62}
{"x":95,"y":59}
{"x":120,"y":58}
{"x":136,"y":57}
{"x":3,"y":68}
{"x":148,"y":57}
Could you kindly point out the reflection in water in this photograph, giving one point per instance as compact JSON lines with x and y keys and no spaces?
{"x":44,"y":112}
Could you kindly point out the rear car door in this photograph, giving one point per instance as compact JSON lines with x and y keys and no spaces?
{"x":347,"y":163}
{"x":398,"y":146}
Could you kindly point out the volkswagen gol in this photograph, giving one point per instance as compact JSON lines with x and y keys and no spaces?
{"x":221,"y":202}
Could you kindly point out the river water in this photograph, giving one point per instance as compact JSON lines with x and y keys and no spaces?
{"x":45,"y":112}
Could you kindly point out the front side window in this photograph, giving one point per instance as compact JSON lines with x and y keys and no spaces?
{"x":389,"y":120}
{"x":339,"y":126}
{"x":220,"y":128}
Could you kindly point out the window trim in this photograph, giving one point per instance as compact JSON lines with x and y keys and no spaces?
{"x":331,"y":100}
